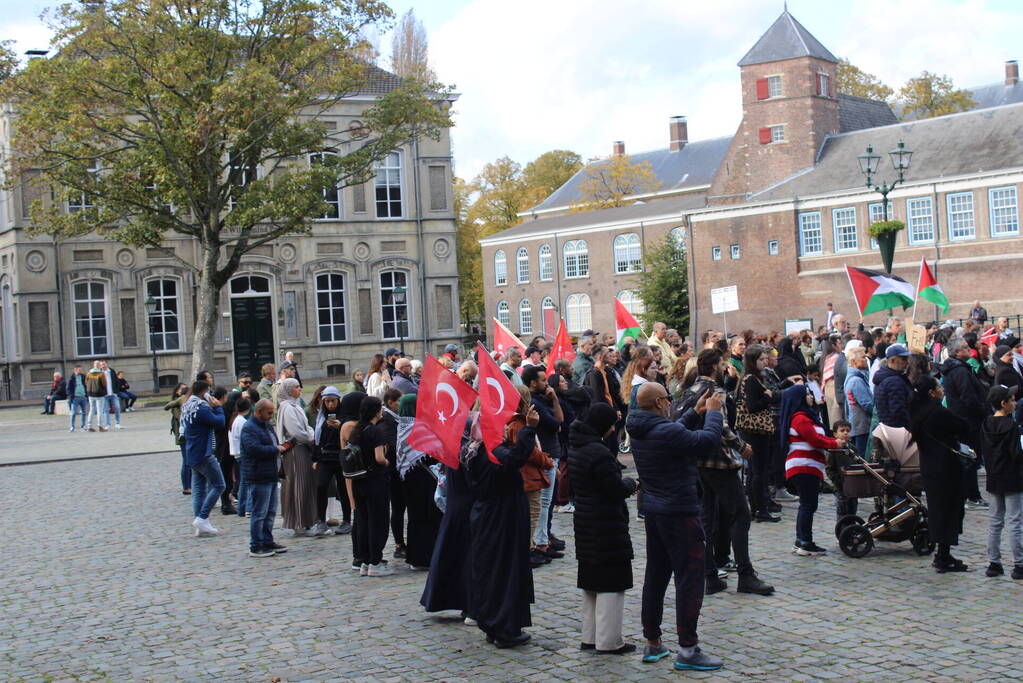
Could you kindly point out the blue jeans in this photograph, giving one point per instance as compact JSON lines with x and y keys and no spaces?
{"x":859,"y":444}
{"x":78,"y":406}
{"x":262,"y":512}
{"x":128,"y":397}
{"x":546,"y":496}
{"x":113,"y":402}
{"x":186,"y":472}
{"x":243,"y":490}
{"x":49,"y":404}
{"x":809,"y":488}
{"x":207,"y":485}
{"x":96,"y":406}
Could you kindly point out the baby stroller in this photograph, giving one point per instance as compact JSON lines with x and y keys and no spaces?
{"x":894,"y":484}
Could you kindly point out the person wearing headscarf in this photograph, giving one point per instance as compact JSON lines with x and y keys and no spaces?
{"x":804,"y":439}
{"x":791,"y":361}
{"x":418,"y":486}
{"x":388,"y":427}
{"x":603,"y":547}
{"x":327,"y":459}
{"x":298,"y":490}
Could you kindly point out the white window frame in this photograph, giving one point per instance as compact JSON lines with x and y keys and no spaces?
{"x":504,"y":313}
{"x":773,"y":247}
{"x":93,"y":353}
{"x":777,"y":133}
{"x":1014,"y":208}
{"x":160,"y":298}
{"x":960,"y":217}
{"x":525,"y":317}
{"x":388,"y":172}
{"x":824,"y":80}
{"x":774,"y":86}
{"x":315,"y":158}
{"x":875,"y":213}
{"x":916,"y":204}
{"x":843,"y":229}
{"x":83,"y":202}
{"x":804,"y":234}
{"x":715,"y":253}
{"x":522,"y":265}
{"x":500,"y":268}
{"x":397,"y":322}
{"x":576,"y":259}
{"x":578,"y":312}
{"x":246,"y":180}
{"x":545,"y":263}
{"x":632,"y":302}
{"x":628,"y":254}
{"x":331,"y":309}
{"x":734,"y":252}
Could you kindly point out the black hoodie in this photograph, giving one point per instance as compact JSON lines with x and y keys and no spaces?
{"x":1003,"y":455}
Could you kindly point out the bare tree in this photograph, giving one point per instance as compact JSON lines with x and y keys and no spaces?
{"x":409,"y":48}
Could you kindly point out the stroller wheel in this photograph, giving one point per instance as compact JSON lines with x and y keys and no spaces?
{"x":921,"y":541}
{"x":856,"y":540}
{"x":845,"y":521}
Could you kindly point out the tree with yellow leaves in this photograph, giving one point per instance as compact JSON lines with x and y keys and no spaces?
{"x":614,"y":182}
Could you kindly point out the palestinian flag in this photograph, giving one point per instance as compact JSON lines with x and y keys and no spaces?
{"x":875,"y":291}
{"x":625,"y":324}
{"x":927,"y":288}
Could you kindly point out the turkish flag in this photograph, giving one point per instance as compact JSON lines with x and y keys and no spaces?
{"x":562,"y":348}
{"x":504,"y":339}
{"x":442,"y":407}
{"x":499,"y":400}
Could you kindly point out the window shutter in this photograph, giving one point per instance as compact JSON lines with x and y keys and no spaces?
{"x":761,"y":88}
{"x":819,"y":85}
{"x":765,"y":136}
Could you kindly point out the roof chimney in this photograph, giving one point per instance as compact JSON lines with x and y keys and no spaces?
{"x":1011,"y":72}
{"x":678,"y":133}
{"x":35,"y":54}
{"x":618,"y":148}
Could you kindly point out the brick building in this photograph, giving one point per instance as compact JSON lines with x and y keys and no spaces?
{"x":779,"y":208}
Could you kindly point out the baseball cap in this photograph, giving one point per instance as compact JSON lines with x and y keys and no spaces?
{"x":1001,"y":350}
{"x":531,"y":350}
{"x":450,"y":348}
{"x":896,"y":350}
{"x":392,"y":352}
{"x":589,"y":333}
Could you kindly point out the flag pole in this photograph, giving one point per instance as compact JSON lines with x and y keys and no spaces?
{"x":916,"y":294}
{"x":852,"y":289}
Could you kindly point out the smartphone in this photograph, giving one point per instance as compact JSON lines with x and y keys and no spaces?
{"x":331,"y":416}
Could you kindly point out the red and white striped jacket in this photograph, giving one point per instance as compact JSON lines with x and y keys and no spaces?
{"x":807,"y":444}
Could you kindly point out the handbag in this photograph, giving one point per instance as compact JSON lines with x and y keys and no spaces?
{"x":760,"y":422}
{"x":353,"y":464}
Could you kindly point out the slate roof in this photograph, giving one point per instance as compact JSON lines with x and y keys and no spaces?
{"x":693,"y":165}
{"x":857,"y":113}
{"x":622,"y":214}
{"x":976,"y":141}
{"x":997,"y":94}
{"x":786,"y":39}
{"x":378,"y":81}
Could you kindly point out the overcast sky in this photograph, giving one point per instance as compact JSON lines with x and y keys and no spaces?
{"x":536,"y":75}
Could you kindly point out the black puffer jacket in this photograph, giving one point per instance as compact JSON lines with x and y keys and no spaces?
{"x":965,"y":393}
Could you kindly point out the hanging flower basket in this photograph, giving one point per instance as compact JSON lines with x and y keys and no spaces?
{"x":886,"y":232}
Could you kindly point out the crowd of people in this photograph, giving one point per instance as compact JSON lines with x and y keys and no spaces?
{"x":721,"y":432}
{"x":92,"y":396}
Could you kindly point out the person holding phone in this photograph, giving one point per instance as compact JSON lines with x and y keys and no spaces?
{"x":326,"y":458}
{"x":372,"y":514}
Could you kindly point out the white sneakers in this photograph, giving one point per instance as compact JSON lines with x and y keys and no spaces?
{"x":319,"y":529}
{"x":379,"y":570}
{"x":203,"y":527}
{"x":364,"y":570}
{"x":119,"y":427}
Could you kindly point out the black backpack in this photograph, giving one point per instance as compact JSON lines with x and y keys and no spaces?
{"x":353,"y":462}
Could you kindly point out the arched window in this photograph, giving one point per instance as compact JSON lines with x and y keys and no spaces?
{"x":633,"y":304}
{"x":577,"y":309}
{"x":549,"y":327}
{"x":525,"y":317}
{"x":330,"y":307}
{"x":546,"y":263}
{"x":577,"y":258}
{"x":503,"y":313}
{"x":394,"y":298}
{"x":331,"y":195}
{"x":522,"y":265}
{"x":628,"y":256}
{"x":89,"y":303}
{"x":500,"y":267}
{"x":678,"y":238}
{"x":165,"y":323}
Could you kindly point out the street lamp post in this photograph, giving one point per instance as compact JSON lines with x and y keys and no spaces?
{"x":150,"y":305}
{"x":398,"y":296}
{"x":869,"y":161}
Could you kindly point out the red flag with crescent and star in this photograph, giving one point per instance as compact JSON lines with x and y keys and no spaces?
{"x":498,"y":401}
{"x":442,"y":406}
{"x":562,"y":348}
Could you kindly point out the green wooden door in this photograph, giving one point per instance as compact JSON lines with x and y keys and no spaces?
{"x":252,"y":326}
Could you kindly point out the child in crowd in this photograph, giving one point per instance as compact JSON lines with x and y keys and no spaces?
{"x":813,"y":383}
{"x":242,"y":410}
{"x":1003,"y":460}
{"x":843,"y":506}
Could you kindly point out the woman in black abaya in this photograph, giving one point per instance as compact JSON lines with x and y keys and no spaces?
{"x":418,"y":485}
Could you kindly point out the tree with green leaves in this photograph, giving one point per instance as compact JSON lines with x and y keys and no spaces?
{"x":470,"y":260}
{"x":549,"y":171}
{"x":929,"y":95}
{"x":851,"y":80}
{"x":194,"y":118}
{"x":664,"y":287}
{"x":8,"y":60}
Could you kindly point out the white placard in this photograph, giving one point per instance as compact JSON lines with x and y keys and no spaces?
{"x":724,"y":299}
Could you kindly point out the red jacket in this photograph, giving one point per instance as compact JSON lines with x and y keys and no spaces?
{"x":807,"y":444}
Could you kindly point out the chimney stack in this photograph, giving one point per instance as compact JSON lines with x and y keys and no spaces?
{"x":35,"y":54}
{"x":1011,"y":72}
{"x":618,"y":148}
{"x":678,"y":133}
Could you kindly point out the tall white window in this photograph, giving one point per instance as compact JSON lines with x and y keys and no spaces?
{"x":388,"y":186}
{"x":522,"y":264}
{"x":503,"y":313}
{"x":811,"y":237}
{"x":546,"y":263}
{"x":394,"y":298}
{"x":500,"y":267}
{"x":823,"y":85}
{"x":83,"y":200}
{"x":778,"y":133}
{"x":877,"y":213}
{"x":844,"y":222}
{"x":577,"y":309}
{"x":330,"y":307}
{"x":962,"y":225}
{"x":633,"y":304}
{"x":678,"y":238}
{"x":91,"y":329}
{"x":548,"y":305}
{"x":577,"y":258}
{"x":774,"y":86}
{"x":525,"y":317}
{"x":920,"y":212}
{"x":628,"y":256}
{"x":1004,"y":211}
{"x":331,"y":195}
{"x":165,"y":323}
{"x":241,"y":175}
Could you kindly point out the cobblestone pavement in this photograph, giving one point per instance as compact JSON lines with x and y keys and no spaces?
{"x":104,"y":580}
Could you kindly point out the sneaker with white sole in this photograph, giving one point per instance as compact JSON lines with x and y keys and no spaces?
{"x":118,"y":427}
{"x":262,"y":552}
{"x":364,"y":570}
{"x":569,"y":508}
{"x":203,"y":527}
{"x":320,"y":529}
{"x":379,"y":570}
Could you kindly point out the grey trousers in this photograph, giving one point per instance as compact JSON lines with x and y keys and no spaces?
{"x":1005,"y":505}
{"x":602,"y":619}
